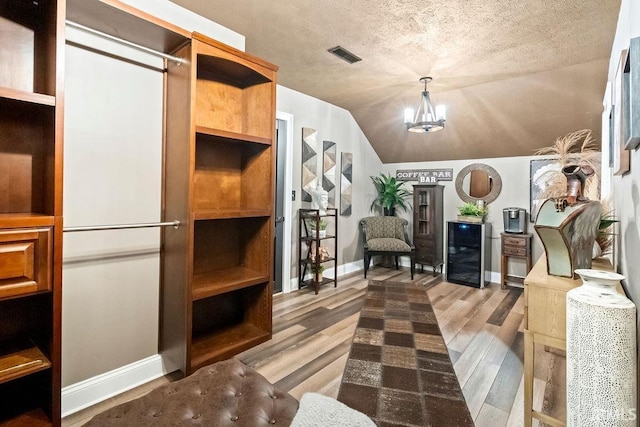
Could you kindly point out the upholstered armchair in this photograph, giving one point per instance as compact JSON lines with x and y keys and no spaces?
{"x":386,"y":235}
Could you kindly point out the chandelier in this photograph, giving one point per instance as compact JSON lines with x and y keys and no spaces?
{"x":426,"y":119}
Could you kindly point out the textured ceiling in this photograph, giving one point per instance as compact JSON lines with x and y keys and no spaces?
{"x":514,"y":74}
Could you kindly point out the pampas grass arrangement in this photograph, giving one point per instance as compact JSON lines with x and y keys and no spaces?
{"x":579,"y":148}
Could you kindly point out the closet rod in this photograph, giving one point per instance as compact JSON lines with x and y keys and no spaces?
{"x":175,"y":59}
{"x":175,"y":224}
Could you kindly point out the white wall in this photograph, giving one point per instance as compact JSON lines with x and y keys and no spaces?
{"x":626,"y":189}
{"x":184,"y":18}
{"x":514,"y":172}
{"x":337,"y":125}
{"x":112,"y":175}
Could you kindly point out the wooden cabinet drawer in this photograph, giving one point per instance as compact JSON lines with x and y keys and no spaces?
{"x":424,"y":246}
{"x":25,"y":260}
{"x":514,"y":241}
{"x":515,"y":251}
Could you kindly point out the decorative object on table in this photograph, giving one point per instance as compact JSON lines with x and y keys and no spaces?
{"x":568,"y":225}
{"x":391,"y":194}
{"x":601,"y":353}
{"x":472,"y":212}
{"x":470,"y":175}
{"x":621,"y":157}
{"x":329,"y":171}
{"x":547,"y":179}
{"x":514,"y":220}
{"x":309,"y":162}
{"x":346,"y":181}
{"x":320,"y":199}
{"x":631,"y":97}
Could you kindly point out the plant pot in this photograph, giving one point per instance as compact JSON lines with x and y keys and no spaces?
{"x":319,"y":277}
{"x":389,"y":211}
{"x":322,"y":233}
{"x":470,"y":218}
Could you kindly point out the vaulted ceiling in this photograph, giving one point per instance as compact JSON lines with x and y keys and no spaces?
{"x":513,"y":74}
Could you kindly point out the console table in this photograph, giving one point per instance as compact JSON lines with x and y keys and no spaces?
{"x":545,"y":322}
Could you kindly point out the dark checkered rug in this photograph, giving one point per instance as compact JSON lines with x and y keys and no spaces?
{"x":399,"y":372}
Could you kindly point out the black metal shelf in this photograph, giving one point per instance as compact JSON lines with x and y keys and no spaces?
{"x":309,"y":238}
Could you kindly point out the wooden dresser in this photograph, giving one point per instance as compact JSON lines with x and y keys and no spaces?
{"x":545,"y":319}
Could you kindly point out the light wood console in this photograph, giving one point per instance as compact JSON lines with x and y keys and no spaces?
{"x":545,"y":319}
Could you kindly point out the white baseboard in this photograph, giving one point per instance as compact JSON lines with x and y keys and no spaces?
{"x":96,"y":389}
{"x":343,"y":269}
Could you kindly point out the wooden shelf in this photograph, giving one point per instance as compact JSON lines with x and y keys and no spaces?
{"x":24,"y":96}
{"x":22,"y":362}
{"x":228,"y":136}
{"x":220,"y":175}
{"x":230,"y":213}
{"x":14,"y":220}
{"x":313,"y":239}
{"x":308,"y":261}
{"x":31,"y":136}
{"x":226,"y":280}
{"x":34,"y":418}
{"x":121,"y":20}
{"x":210,"y":348}
{"x":312,"y":284}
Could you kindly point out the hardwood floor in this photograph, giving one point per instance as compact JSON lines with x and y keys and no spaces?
{"x":482,"y":328}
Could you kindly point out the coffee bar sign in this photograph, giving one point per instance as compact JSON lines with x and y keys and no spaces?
{"x":425,"y":176}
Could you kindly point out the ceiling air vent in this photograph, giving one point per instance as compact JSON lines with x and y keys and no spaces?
{"x":343,"y":53}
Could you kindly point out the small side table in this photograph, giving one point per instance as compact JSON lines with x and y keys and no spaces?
{"x":514,"y":246}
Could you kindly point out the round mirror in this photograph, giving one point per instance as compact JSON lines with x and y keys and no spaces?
{"x":478,"y":182}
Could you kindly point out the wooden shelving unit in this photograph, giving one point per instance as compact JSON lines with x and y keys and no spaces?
{"x":220,"y":157}
{"x":31,"y":124}
{"x":428,"y":225}
{"x":311,"y":239}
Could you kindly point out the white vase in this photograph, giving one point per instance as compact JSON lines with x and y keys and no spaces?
{"x":601,"y":352}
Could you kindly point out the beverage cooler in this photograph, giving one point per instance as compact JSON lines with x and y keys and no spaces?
{"x":468,"y":253}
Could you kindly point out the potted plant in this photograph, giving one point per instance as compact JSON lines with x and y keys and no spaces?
{"x":391,"y":194}
{"x":470,"y":212}
{"x":604,"y":238}
{"x":322,"y":227}
{"x":317,"y":268}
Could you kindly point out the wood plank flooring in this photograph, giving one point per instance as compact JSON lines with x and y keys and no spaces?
{"x":482,"y":328}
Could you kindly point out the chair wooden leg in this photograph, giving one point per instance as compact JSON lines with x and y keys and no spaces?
{"x":413,"y":266}
{"x":397,"y":268}
{"x":367,"y":260}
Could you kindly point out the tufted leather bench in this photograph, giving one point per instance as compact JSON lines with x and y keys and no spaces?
{"x":225,"y":394}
